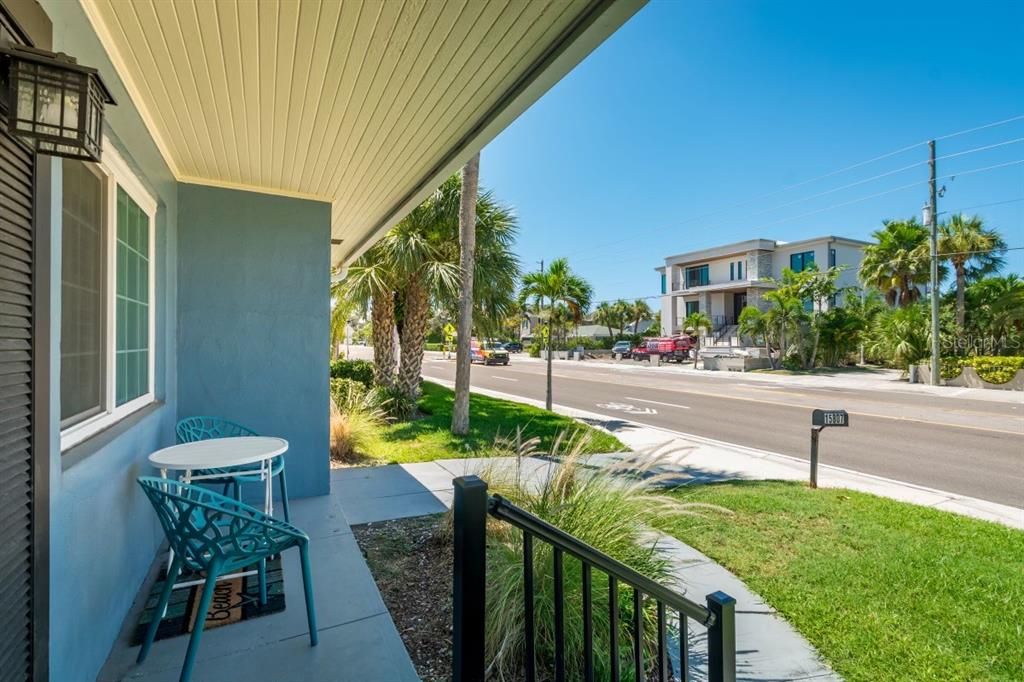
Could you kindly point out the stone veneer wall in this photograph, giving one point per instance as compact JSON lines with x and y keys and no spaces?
{"x":759,"y":264}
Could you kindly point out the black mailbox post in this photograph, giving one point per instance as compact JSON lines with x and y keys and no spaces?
{"x":819,"y":420}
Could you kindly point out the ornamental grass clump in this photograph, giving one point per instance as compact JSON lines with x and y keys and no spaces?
{"x":358,"y":417}
{"x":613,"y":507}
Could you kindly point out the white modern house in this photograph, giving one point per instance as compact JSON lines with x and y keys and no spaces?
{"x":722,"y":280}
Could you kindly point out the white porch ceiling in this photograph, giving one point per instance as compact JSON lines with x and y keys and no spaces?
{"x":367,"y":104}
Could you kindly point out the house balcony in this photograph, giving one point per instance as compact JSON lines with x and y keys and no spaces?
{"x":679,"y":289}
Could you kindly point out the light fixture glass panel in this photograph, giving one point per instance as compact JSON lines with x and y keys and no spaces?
{"x":71,"y":105}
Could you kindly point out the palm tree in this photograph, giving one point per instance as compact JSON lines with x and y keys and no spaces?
{"x":341,"y":312}
{"x":418,"y":262}
{"x":640,"y":311}
{"x":621,"y":313}
{"x":973,"y":251}
{"x":557,"y":285}
{"x":605,"y":315}
{"x":784,"y":316}
{"x":467,"y":245}
{"x":414,"y":250}
{"x":754,"y":323}
{"x":997,"y":308}
{"x":697,"y":321}
{"x":898,"y":263}
{"x":370,"y":283}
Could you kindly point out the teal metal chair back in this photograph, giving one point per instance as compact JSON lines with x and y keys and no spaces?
{"x":204,"y":527}
{"x":218,"y":535}
{"x":193,"y":429}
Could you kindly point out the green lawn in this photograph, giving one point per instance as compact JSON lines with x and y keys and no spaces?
{"x":884,"y":590}
{"x":429,"y":438}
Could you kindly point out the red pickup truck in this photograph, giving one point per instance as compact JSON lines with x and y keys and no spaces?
{"x":672,"y":348}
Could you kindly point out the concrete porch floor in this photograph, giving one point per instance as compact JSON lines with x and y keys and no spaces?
{"x":358,"y":640}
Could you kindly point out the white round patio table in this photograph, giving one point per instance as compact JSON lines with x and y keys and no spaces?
{"x":217,"y":453}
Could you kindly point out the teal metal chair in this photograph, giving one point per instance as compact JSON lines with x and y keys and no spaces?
{"x":192,"y":429}
{"x":218,"y":535}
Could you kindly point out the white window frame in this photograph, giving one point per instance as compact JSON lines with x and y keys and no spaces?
{"x":116,"y":172}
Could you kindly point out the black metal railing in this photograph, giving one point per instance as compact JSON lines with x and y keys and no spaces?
{"x":471,"y":508}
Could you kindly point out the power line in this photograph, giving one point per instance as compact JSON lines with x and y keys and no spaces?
{"x":982,"y":170}
{"x":889,"y":173}
{"x":991,"y":203}
{"x":842,"y":187}
{"x":982,"y":127}
{"x":980,"y":149}
{"x":840,"y":171}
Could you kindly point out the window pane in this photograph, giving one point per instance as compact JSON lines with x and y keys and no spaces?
{"x":82,"y":294}
{"x":132,"y":299}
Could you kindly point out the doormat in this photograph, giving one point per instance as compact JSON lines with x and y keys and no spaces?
{"x":234,"y":600}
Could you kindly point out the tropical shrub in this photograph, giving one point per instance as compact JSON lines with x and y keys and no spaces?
{"x":358,"y":370}
{"x":398,"y":405}
{"x":433,"y":346}
{"x":534,"y":349}
{"x":610,"y":507}
{"x":343,"y":390}
{"x":993,"y":369}
{"x":900,"y":337}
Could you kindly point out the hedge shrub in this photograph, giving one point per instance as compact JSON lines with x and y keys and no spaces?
{"x":993,"y":369}
{"x":434,"y":346}
{"x":357,"y":370}
{"x":344,"y":391}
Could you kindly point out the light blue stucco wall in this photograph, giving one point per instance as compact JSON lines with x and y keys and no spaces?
{"x":104,"y":535}
{"x":253,"y":316}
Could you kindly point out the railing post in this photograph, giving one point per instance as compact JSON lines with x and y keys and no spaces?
{"x":722,"y":638}
{"x":470,"y":562}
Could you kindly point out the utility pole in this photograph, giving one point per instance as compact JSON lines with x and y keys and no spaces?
{"x":933,"y":218}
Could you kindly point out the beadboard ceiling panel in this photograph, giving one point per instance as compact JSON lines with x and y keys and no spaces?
{"x":367,"y":104}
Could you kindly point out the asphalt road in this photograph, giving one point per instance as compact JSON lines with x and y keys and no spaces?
{"x":971,"y":447}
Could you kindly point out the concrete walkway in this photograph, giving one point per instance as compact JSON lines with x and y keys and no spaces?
{"x":703,"y":459}
{"x":768,"y":648}
{"x":358,"y":640}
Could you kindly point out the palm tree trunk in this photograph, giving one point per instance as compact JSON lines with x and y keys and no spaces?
{"x":467,"y":248}
{"x":961,"y":282}
{"x":382,"y":324}
{"x":414,"y":335}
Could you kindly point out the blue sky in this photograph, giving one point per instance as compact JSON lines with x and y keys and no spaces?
{"x":695,"y":107}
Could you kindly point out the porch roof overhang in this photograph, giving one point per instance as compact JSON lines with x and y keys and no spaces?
{"x":365,"y":104}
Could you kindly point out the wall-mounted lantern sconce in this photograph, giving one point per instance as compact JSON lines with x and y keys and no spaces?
{"x":53,"y":103}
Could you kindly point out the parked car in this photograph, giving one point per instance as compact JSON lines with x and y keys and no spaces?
{"x":514,"y":347}
{"x":640,"y":353}
{"x":487,"y":353}
{"x":625,"y":348}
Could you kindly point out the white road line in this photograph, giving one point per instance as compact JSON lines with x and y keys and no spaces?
{"x":503,"y":378}
{"x":657,"y":402}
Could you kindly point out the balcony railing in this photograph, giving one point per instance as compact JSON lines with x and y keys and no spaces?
{"x":471,"y":508}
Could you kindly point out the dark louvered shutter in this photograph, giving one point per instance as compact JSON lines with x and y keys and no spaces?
{"x":17,"y":181}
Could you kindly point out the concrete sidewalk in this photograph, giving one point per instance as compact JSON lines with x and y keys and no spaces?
{"x":768,"y":648}
{"x":702,"y":459}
